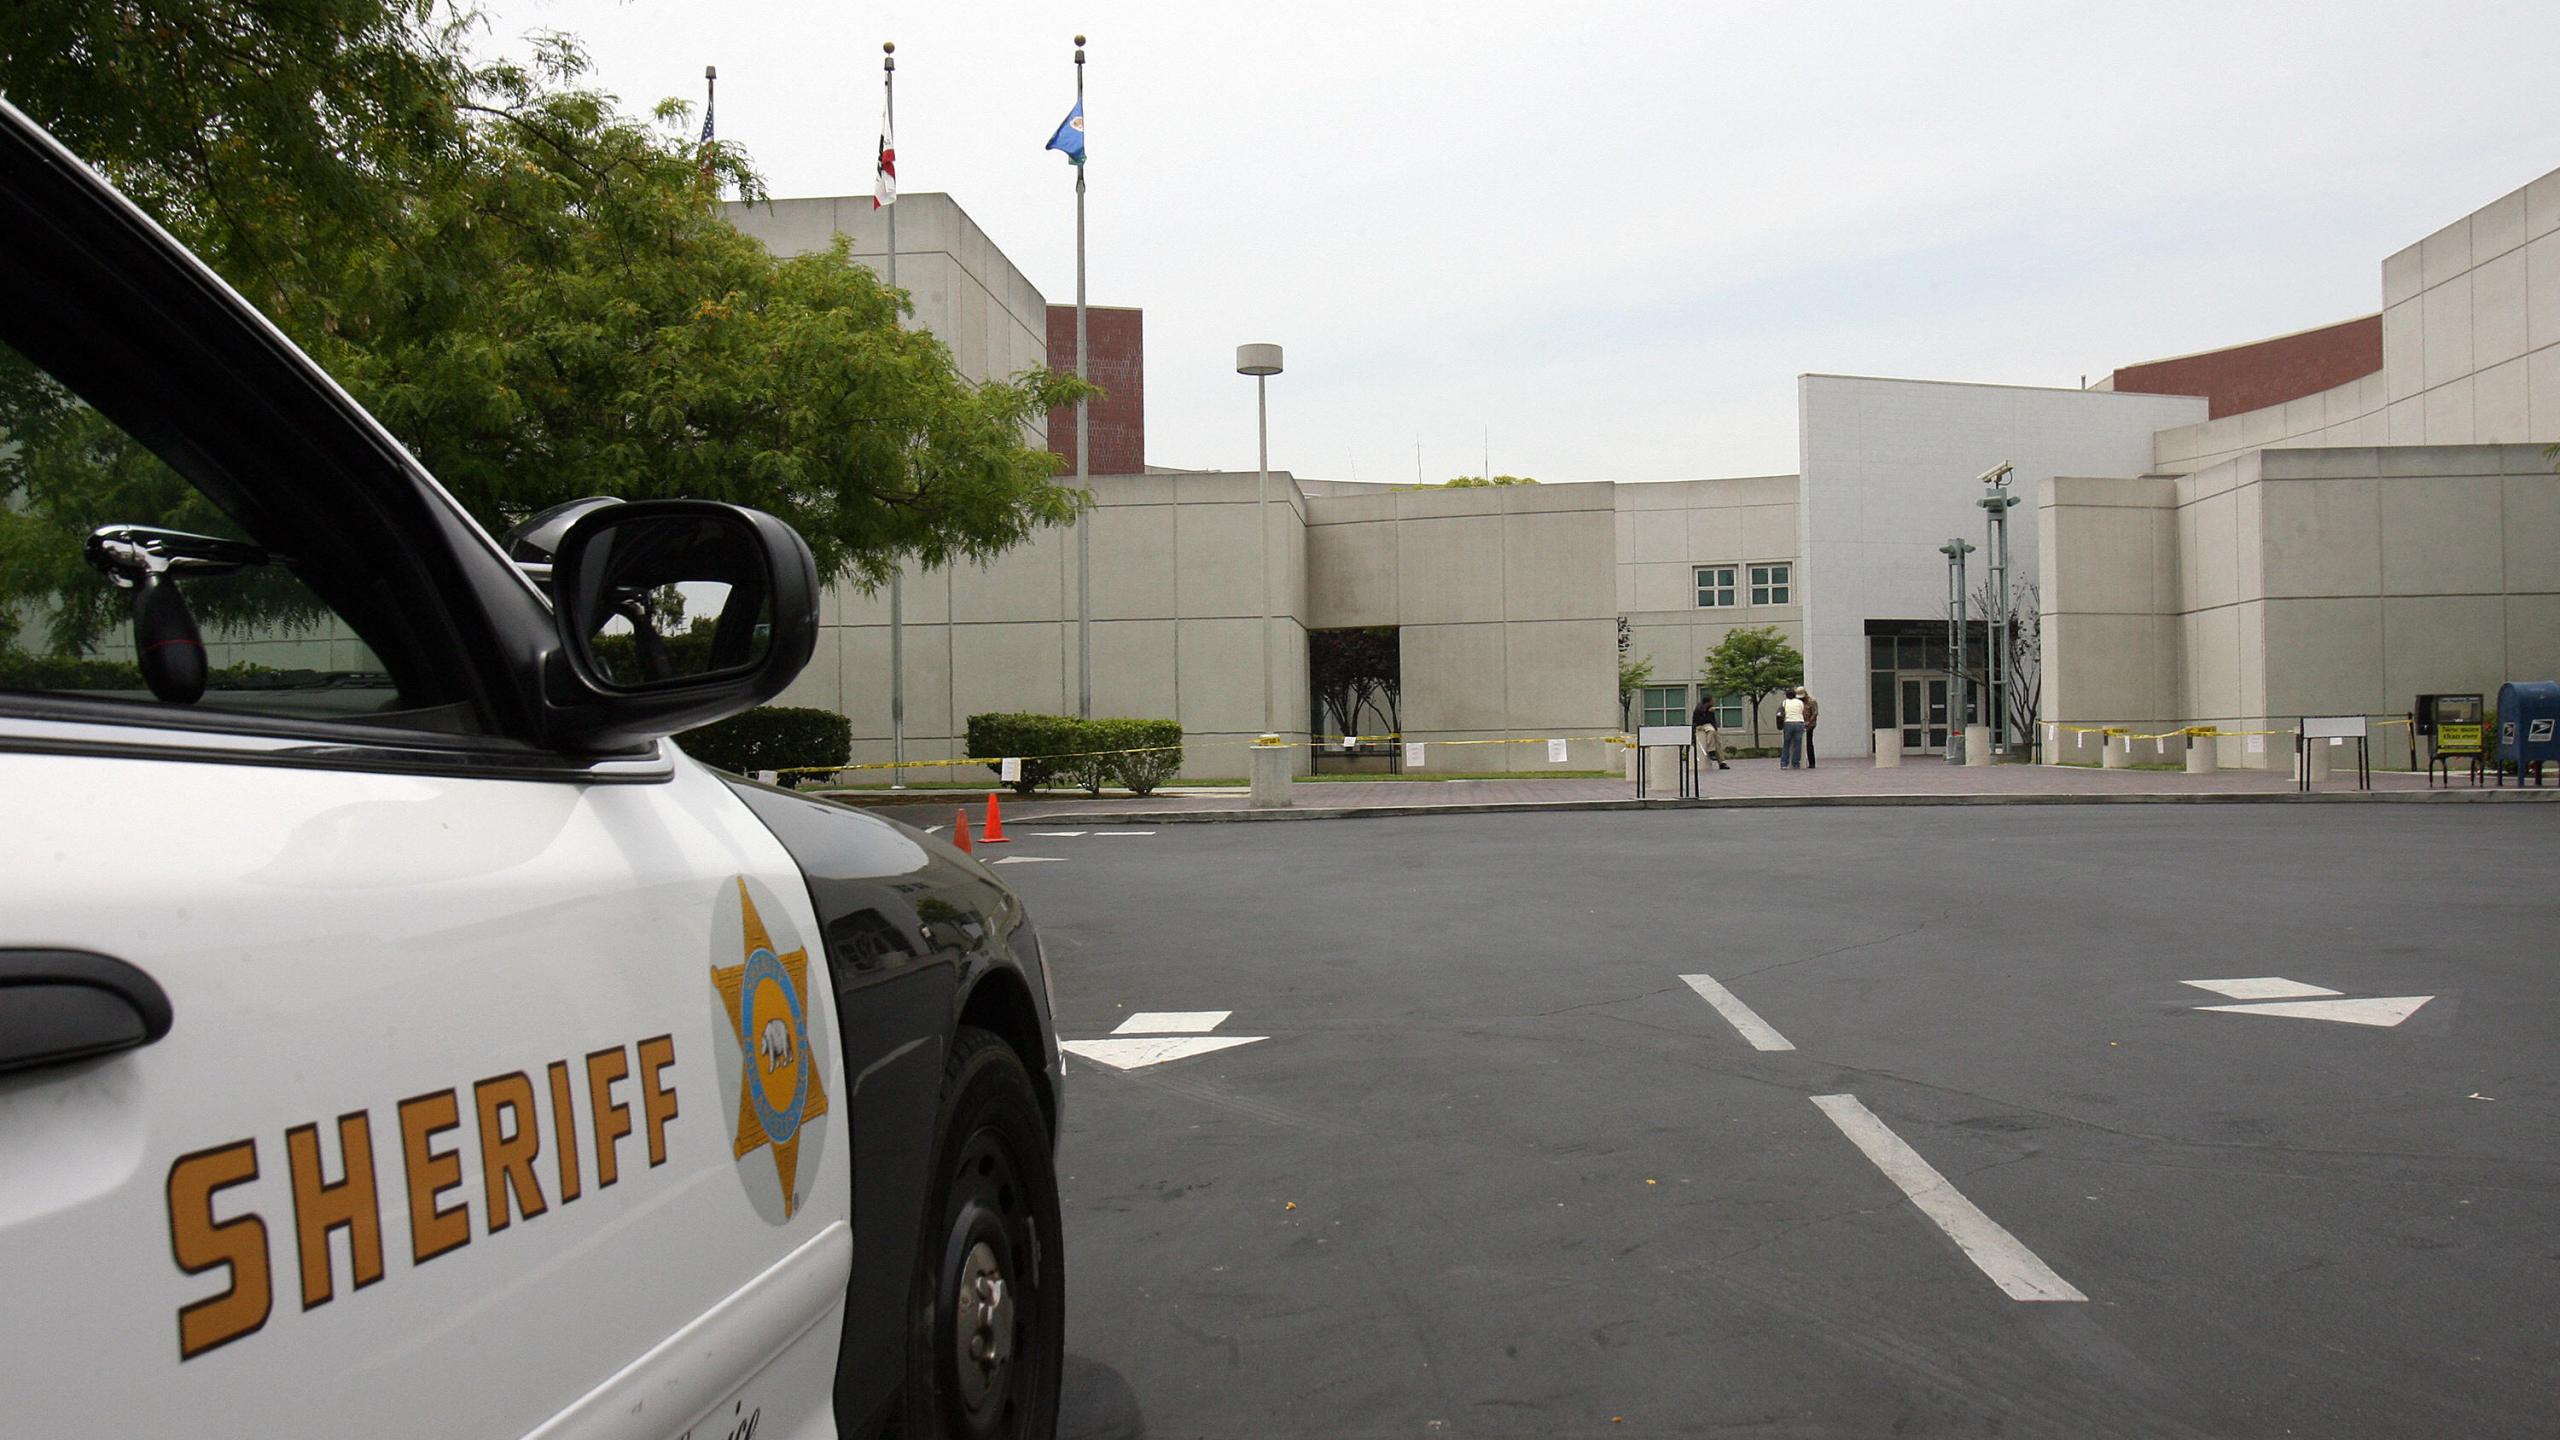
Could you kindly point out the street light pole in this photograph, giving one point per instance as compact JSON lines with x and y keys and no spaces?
{"x":1955,"y":550}
{"x":1262,"y":362}
{"x":2001,"y":662}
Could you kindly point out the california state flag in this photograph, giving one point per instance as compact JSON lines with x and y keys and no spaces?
{"x":884,"y":185}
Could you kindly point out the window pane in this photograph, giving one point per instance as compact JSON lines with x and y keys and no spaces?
{"x":67,"y":626}
{"x":1729,"y":716}
{"x":1882,"y":649}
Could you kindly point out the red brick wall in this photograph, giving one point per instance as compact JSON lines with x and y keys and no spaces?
{"x":1116,"y":360}
{"x":2252,"y":377}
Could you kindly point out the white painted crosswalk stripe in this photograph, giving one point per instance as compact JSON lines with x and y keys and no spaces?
{"x":1754,"y":1029}
{"x":2383,"y":1011}
{"x":1993,"y":1250}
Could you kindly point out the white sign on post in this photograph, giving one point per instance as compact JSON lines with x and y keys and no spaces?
{"x":1652,"y":735}
{"x":1010,"y":772}
{"x":1348,"y":741}
{"x":1555,"y":752}
{"x":2334,"y":727}
{"x":1413,"y":752}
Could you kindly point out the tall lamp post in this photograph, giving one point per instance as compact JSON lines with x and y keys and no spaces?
{"x":2001,"y":662}
{"x":1262,"y":362}
{"x":1955,"y":550}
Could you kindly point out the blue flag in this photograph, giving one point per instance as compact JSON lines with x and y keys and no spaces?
{"x":1070,"y":136}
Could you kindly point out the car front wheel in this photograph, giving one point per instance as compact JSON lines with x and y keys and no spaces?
{"x":987,"y":1307}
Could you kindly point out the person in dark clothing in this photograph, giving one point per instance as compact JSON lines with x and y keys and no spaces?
{"x":1702,"y":725}
{"x":1812,"y":720}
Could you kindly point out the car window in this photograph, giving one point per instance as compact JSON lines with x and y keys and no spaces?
{"x":121,"y":580}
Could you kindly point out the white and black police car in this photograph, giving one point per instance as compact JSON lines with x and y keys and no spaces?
{"x":400,"y":1037}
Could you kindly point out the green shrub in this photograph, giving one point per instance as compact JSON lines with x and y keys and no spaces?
{"x":1034,"y":738}
{"x":1077,"y":752}
{"x":1142,"y":773}
{"x":774,"y":737}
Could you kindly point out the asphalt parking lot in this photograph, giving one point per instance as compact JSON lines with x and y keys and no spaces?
{"x":1495,"y":1167}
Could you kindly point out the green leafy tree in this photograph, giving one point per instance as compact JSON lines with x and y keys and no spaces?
{"x":1752,"y":661}
{"x":535,"y":291}
{"x":1632,"y":674}
{"x":1479,"y":482}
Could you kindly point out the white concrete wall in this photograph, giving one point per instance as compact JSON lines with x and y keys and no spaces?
{"x":1888,"y":477}
{"x":1502,"y":599}
{"x":964,"y":289}
{"x":1667,"y":530}
{"x":1177,"y":628}
{"x":2294,"y":582}
{"x":2470,"y":349}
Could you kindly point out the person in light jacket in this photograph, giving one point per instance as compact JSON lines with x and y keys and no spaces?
{"x":1790,"y":730}
{"x":1702,"y":729}
{"x":1812,"y":722}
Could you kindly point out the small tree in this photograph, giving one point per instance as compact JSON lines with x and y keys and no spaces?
{"x":2023,"y":693}
{"x":1631,"y":677}
{"x":1751,"y":662}
{"x":1478,"y":482}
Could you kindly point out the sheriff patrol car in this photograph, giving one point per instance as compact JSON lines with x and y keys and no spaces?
{"x":398,"y":1035}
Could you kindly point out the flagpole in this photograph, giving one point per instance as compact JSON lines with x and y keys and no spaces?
{"x":897,"y":576}
{"x":1084,"y":523}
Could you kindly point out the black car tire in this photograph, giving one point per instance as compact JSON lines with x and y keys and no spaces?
{"x":986,"y":1331}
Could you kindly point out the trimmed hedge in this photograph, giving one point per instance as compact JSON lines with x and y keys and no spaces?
{"x":773,"y":737}
{"x":1063,"y":748}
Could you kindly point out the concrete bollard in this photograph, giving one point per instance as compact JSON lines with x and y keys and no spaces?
{"x":2115,"y":752}
{"x":2318,"y":750}
{"x":1662,"y":771}
{"x":1271,"y":777}
{"x":1977,"y":745}
{"x":2201,"y":754}
{"x":1634,"y":757}
{"x":1889,"y":749}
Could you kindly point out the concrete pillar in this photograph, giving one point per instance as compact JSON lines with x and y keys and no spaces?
{"x":1270,"y":778}
{"x":2055,"y":737}
{"x":1889,"y":749}
{"x":2115,"y":752}
{"x":2318,"y":750}
{"x":1662,"y":771}
{"x":1977,"y":745}
{"x":1634,"y":757}
{"x":2201,"y":754}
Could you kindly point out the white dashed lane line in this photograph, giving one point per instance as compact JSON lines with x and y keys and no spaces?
{"x":1754,"y":1029}
{"x":1994,"y":1251}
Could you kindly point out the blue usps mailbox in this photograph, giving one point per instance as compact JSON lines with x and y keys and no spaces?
{"x":2528,"y":726}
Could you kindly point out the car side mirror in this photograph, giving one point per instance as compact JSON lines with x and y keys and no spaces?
{"x":672,"y":614}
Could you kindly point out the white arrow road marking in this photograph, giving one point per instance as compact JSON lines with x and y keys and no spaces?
{"x":1135,"y":1053}
{"x":2268,"y":987}
{"x":1172,"y":1022}
{"x":1124,"y":832}
{"x":2385,"y":1011}
{"x":1029,"y":860}
{"x":1739,"y":1015}
{"x":1994,"y":1251}
{"x":1057,"y":834}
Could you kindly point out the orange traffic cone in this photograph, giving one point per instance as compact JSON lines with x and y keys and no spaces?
{"x":994,"y":834}
{"x":960,"y":831}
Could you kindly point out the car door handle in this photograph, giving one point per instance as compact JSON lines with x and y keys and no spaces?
{"x":57,"y":1006}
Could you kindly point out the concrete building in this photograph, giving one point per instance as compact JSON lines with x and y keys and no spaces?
{"x":2329,"y":522}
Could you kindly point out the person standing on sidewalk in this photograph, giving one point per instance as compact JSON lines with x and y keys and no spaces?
{"x":1702,"y":728}
{"x":1812,"y":720}
{"x":1790,"y":730}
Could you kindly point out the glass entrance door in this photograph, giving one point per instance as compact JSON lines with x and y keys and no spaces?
{"x":1923,"y":716}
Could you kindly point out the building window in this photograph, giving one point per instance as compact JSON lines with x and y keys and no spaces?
{"x":1715,"y":587}
{"x":1729,"y":714}
{"x":1666,"y":704}
{"x":1772,"y":585}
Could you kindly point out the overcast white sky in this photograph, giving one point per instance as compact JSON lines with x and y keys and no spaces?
{"x":1611,"y":235}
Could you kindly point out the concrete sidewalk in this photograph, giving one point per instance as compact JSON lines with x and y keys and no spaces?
{"x":1750,"y":783}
